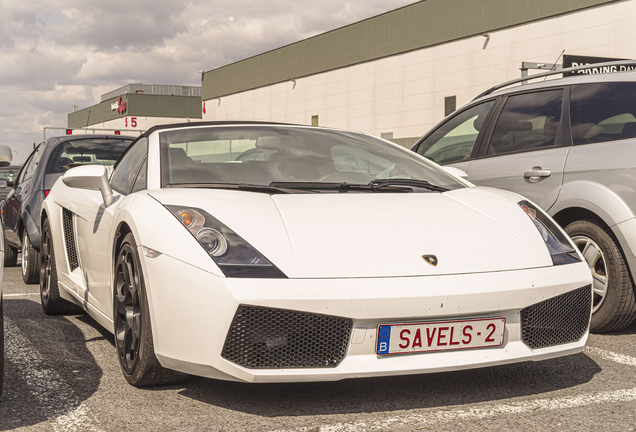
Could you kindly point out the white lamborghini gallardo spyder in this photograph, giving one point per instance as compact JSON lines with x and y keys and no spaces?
{"x":265,"y":252}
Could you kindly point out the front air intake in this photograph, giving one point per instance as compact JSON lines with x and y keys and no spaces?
{"x":266,"y":338}
{"x":556,"y":321}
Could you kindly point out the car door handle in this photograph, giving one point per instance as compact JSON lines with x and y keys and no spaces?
{"x":537,"y":172}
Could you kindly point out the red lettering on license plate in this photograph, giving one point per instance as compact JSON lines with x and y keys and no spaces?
{"x":440,"y":335}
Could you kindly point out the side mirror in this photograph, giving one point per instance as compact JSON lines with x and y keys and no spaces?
{"x":93,"y":177}
{"x":455,"y":172}
{"x":5,"y":156}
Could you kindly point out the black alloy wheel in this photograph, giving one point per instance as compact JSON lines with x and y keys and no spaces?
{"x":52,"y":303}
{"x":133,"y":330}
{"x":127,"y":308}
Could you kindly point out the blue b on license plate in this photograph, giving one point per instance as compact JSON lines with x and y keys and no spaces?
{"x":440,"y":335}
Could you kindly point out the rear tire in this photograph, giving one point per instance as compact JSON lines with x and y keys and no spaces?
{"x":30,"y":272}
{"x":52,"y":303}
{"x":10,"y":255}
{"x":613,"y":302}
{"x":1,"y":346}
{"x":133,"y":330}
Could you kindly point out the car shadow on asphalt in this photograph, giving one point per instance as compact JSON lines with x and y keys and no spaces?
{"x":104,"y":334}
{"x":49,"y":371}
{"x":395,"y":393}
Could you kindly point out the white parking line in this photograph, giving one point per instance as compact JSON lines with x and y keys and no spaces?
{"x":54,"y":395}
{"x":481,"y":412}
{"x":609,"y":355}
{"x":20,"y":295}
{"x":486,"y":411}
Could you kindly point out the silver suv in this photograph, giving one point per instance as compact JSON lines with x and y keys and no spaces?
{"x":569,"y":145}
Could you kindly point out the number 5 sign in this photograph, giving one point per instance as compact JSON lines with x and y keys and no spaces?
{"x":133,"y":121}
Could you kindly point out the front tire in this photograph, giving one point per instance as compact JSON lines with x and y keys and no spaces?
{"x":613,"y":302}
{"x":133,"y":330}
{"x":52,"y":303}
{"x":10,"y":255}
{"x":30,"y":272}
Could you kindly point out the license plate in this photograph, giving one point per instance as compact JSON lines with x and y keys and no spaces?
{"x":440,"y":335}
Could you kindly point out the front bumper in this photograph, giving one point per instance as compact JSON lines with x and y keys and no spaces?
{"x":192,"y":311}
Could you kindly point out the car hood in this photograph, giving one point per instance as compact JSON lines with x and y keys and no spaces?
{"x":346,"y":235}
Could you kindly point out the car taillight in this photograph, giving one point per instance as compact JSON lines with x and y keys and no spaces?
{"x":46,"y":192}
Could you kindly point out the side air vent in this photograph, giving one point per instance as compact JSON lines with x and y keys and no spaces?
{"x":559,"y":320}
{"x":69,"y":239}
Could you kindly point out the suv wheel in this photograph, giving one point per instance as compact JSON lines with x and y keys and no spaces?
{"x":613,"y":302}
{"x":30,"y":273}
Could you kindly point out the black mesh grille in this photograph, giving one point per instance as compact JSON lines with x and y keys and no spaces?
{"x":265,"y":338}
{"x":559,"y":320}
{"x":69,"y":239}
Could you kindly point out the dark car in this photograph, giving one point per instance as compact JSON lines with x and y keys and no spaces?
{"x":5,"y":159}
{"x":8,"y":174}
{"x":49,"y":160}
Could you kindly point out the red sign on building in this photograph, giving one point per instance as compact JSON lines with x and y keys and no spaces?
{"x":121,"y":106}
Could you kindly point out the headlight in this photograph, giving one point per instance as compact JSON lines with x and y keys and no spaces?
{"x":213,"y":241}
{"x":559,"y":246}
{"x":234,"y":256}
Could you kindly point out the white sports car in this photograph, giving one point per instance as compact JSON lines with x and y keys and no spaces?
{"x":265,"y":252}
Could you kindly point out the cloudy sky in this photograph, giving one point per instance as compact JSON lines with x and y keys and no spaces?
{"x":58,"y":53}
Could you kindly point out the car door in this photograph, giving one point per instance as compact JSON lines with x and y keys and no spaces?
{"x":19,"y":196}
{"x":527,"y":147}
{"x":11,"y":208}
{"x":95,"y":227}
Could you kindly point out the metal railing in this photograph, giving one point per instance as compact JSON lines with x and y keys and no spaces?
{"x":558,"y":71}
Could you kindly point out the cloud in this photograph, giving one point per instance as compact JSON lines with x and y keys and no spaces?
{"x":56,"y":54}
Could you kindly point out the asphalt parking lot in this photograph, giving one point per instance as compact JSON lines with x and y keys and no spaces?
{"x":62,"y":375}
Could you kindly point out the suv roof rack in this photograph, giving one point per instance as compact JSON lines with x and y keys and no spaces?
{"x":554,"y":72}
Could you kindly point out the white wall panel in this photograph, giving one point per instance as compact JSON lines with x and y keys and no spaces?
{"x":404,"y":94}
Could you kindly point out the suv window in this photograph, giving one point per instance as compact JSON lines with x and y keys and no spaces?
{"x":128,"y":166}
{"x":24,"y":169}
{"x":528,"y":121}
{"x":455,"y":139}
{"x":603,"y":112}
{"x":35,"y":159}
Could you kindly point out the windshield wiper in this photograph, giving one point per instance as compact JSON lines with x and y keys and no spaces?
{"x":340,"y":187}
{"x":382,"y":183}
{"x":240,"y":186}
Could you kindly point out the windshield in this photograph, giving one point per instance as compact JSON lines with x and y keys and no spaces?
{"x":100,"y":151}
{"x":261,"y":155}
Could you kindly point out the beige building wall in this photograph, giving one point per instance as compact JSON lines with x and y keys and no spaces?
{"x":403,"y":95}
